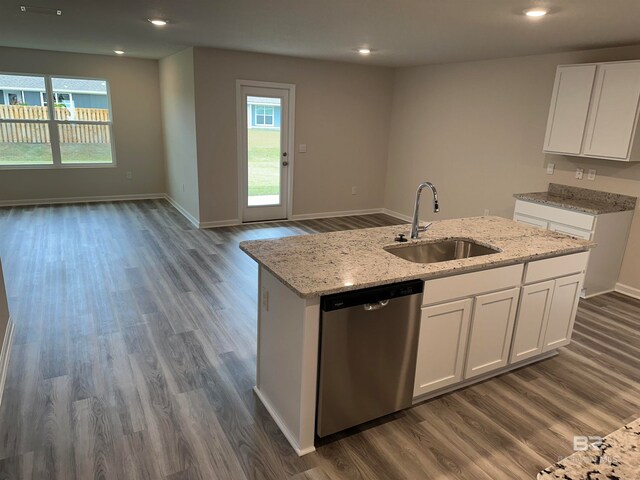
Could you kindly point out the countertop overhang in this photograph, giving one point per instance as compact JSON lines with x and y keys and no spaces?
{"x":326,"y":263}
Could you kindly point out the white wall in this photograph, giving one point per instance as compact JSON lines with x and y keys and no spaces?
{"x":179,"y":127}
{"x":342,"y":114}
{"x":135,"y":101}
{"x":476,"y":131}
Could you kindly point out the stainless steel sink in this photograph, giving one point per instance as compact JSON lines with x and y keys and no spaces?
{"x":440,"y":251}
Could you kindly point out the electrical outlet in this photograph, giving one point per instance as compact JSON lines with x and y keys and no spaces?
{"x":486,"y":212}
{"x":550,"y":168}
{"x":302,"y":148}
{"x":129,"y":174}
{"x":354,"y":190}
{"x":579,"y":173}
{"x":592,"y":174}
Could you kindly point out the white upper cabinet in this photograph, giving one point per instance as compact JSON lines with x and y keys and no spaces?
{"x":594,"y":111}
{"x":612,"y":123}
{"x":569,"y":108}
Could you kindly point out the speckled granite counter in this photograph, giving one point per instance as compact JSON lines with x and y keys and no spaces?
{"x":580,"y":199}
{"x":325,"y":263}
{"x":617,"y":458}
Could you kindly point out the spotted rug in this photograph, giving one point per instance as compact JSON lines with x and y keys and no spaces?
{"x":616,"y":457}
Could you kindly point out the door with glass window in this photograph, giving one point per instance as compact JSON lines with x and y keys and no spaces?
{"x":264,"y":152}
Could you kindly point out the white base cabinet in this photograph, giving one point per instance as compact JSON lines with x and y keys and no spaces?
{"x":471,"y":325}
{"x":442,"y":345}
{"x":566,"y":293}
{"x":546,"y":315}
{"x":609,"y":230}
{"x":491,"y":331}
{"x":535,"y":305}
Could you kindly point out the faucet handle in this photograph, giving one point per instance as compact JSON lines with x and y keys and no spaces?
{"x":424,"y":229}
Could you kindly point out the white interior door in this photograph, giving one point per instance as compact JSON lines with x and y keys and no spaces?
{"x":264,"y":150}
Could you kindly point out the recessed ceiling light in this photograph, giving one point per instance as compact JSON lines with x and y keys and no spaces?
{"x":158,"y":22}
{"x":118,"y":52}
{"x":536,"y":12}
{"x":364,"y":51}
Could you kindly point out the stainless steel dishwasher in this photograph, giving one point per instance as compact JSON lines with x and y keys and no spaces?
{"x":368,"y":348}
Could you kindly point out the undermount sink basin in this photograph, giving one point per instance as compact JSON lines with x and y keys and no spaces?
{"x":440,"y":251}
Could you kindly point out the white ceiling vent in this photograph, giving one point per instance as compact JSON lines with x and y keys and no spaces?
{"x":40,"y":10}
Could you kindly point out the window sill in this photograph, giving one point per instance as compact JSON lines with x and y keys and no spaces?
{"x":58,"y":167}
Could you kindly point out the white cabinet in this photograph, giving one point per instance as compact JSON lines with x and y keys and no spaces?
{"x":477,"y":323}
{"x":614,"y":111}
{"x":491,"y":332}
{"x":566,"y":294}
{"x":533,"y":314}
{"x":569,"y":108}
{"x":442,"y":345}
{"x":594,"y":111}
{"x":609,"y":230}
{"x":546,"y":315}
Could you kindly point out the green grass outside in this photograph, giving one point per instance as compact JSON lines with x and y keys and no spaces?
{"x":264,"y":162}
{"x":40,"y":154}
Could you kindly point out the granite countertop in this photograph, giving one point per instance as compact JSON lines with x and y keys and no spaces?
{"x":583,"y":200}
{"x":618,"y":457}
{"x":326,"y":263}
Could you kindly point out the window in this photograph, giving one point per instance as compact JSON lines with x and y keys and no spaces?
{"x":73,"y":129}
{"x":264,"y":116}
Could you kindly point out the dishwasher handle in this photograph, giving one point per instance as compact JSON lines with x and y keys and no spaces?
{"x":376,"y":306}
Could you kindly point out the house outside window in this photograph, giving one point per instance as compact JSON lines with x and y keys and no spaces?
{"x":263,"y":112}
{"x":75,"y":130}
{"x":264,"y":116}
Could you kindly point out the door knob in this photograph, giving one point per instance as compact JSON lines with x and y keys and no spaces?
{"x":285,"y":163}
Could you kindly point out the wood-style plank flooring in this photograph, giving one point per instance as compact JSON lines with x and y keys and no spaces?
{"x":134,"y":358}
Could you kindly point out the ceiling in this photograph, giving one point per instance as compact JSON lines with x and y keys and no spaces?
{"x":401,"y":32}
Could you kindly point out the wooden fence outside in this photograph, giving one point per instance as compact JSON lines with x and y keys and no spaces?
{"x":21,"y":132}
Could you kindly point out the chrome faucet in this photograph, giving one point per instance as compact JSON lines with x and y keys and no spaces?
{"x":415,"y":224}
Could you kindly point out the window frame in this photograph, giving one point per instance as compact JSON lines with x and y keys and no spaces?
{"x":264,"y":115}
{"x":53,"y":125}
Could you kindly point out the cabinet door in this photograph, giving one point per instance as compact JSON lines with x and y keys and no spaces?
{"x":491,"y":331}
{"x":612,"y":119}
{"x":564,"y":306}
{"x":442,"y":344}
{"x":569,"y":106}
{"x":531,"y":324}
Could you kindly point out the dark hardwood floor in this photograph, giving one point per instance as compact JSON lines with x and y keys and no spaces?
{"x":134,"y":358}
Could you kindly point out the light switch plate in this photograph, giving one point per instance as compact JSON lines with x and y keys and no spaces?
{"x":591,"y":175}
{"x":579,"y":173}
{"x":550,"y":168}
{"x":302,"y":148}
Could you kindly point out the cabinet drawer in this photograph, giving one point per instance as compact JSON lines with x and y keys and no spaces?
{"x":574,"y":232}
{"x":556,"y":215}
{"x":534,"y":222}
{"x":470,"y":284}
{"x":555,"y":267}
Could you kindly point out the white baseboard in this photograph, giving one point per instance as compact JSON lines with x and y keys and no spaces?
{"x":627,"y":290}
{"x":400,"y":216}
{"x":56,"y":201}
{"x":282,"y":426}
{"x":220,"y":223}
{"x":342,"y":213}
{"x":5,"y":354}
{"x":193,"y":220}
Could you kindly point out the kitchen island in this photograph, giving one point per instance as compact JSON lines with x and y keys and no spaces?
{"x":481,"y":315}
